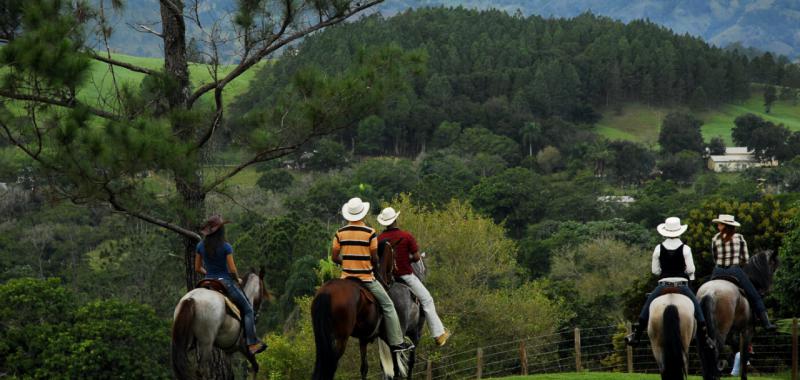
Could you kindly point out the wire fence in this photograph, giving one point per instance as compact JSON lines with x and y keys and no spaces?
{"x":600,"y":349}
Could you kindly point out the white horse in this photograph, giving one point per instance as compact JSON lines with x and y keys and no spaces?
{"x":202,"y":321}
{"x":671,"y":328}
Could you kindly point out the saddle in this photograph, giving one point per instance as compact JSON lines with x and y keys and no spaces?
{"x":365,"y":293}
{"x":216,"y":285}
{"x":732,"y":280}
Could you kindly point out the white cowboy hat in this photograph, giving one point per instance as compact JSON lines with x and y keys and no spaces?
{"x":726,"y":219}
{"x":387,"y":216}
{"x":672,"y":228}
{"x":355,"y":209}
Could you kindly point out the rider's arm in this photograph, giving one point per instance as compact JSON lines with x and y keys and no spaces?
{"x":413,"y":248}
{"x":743,"y":252}
{"x":198,"y":264}
{"x":687,"y":257}
{"x":335,"y":248}
{"x":232,"y":267}
{"x":373,"y":248}
{"x":656,"y":264}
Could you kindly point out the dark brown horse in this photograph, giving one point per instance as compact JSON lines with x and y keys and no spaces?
{"x":728,"y":313}
{"x":343,"y":308}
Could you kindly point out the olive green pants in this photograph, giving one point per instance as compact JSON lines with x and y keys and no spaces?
{"x":390,"y":318}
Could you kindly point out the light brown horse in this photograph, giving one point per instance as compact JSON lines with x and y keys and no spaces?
{"x":671,"y":328}
{"x":201,"y":321}
{"x":341,"y":309}
{"x":728,"y":313}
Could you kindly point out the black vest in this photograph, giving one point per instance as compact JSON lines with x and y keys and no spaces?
{"x":672,"y":263}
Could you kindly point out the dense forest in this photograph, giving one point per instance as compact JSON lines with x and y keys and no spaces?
{"x":485,"y":143}
{"x":498,"y":71}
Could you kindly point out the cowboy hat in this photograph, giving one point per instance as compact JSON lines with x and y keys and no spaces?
{"x":212,"y":224}
{"x":672,"y":228}
{"x":387,"y":216}
{"x":355,"y":209}
{"x":726,"y":219}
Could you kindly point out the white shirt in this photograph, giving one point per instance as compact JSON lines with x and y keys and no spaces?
{"x":671,"y":244}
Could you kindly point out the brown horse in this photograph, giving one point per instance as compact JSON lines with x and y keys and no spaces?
{"x":342,"y":308}
{"x":201,"y":321}
{"x":728,"y":312}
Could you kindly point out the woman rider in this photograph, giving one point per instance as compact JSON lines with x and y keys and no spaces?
{"x":671,"y":260}
{"x":730,"y":254}
{"x":214,"y":259}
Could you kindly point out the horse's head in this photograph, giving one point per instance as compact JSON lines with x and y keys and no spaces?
{"x":385,"y":262}
{"x":255,"y":290}
{"x":761,"y":268}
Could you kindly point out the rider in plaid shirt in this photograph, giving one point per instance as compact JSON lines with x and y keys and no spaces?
{"x":730,"y":254}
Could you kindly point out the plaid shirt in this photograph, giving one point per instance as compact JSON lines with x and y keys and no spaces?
{"x":733,"y":252}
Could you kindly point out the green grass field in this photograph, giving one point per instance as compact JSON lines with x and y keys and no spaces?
{"x":620,"y":376}
{"x":641,"y":123}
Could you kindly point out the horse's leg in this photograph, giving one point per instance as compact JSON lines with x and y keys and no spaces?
{"x":744,"y":356}
{"x":362,"y":345}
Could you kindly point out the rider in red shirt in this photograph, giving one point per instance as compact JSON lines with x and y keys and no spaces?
{"x":406,"y":252}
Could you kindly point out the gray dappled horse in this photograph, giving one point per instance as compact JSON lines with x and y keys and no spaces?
{"x":671,"y":328}
{"x":202,"y":321}
{"x":728,"y":312}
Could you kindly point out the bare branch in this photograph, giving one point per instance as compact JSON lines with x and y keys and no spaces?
{"x":126,"y":65}
{"x":19,"y":144}
{"x":145,"y":29}
{"x":274,"y":44}
{"x":112,"y":199}
{"x":57,"y":102}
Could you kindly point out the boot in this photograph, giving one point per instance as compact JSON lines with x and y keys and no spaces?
{"x":634,"y":338}
{"x":765,"y":322}
{"x":703,"y":335}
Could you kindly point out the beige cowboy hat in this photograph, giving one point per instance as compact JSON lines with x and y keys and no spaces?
{"x":726,"y":219}
{"x":355,"y":209}
{"x":387,"y":216}
{"x":672,"y":228}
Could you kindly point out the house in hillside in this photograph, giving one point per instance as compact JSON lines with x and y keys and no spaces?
{"x":624,"y":200}
{"x":736,"y":159}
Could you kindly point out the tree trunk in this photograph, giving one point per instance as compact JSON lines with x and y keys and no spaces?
{"x":190,"y":187}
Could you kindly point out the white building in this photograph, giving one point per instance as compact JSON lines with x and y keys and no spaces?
{"x":736,"y":159}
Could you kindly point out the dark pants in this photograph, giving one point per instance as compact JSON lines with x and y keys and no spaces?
{"x":744,"y":282}
{"x":685,"y":290}
{"x":248,"y":319}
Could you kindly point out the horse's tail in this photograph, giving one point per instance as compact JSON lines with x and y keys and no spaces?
{"x":181,"y":336}
{"x":672,"y":345}
{"x":708,"y":355}
{"x":322,"y":320}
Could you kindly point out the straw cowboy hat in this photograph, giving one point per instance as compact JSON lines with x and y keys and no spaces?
{"x":355,"y":209}
{"x":726,"y":219}
{"x":387,"y":216}
{"x":212,"y":224}
{"x":671,"y":228}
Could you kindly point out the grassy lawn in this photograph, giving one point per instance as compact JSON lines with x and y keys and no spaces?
{"x":620,"y":376}
{"x":641,"y":123}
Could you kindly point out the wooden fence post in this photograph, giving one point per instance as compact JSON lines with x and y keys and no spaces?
{"x":628,"y":348}
{"x":794,"y":348}
{"x":523,"y":358}
{"x":578,"y":350}
{"x":429,"y":370}
{"x":479,"y":369}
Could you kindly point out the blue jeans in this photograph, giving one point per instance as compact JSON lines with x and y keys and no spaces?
{"x":248,"y":318}
{"x":644,"y":316}
{"x":744,"y":282}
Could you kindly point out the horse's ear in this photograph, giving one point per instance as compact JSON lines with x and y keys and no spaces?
{"x":261,"y":272}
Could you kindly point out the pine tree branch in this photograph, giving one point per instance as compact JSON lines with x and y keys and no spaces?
{"x":126,"y":65}
{"x":274,"y":44}
{"x":57,"y":102}
{"x":112,"y":199}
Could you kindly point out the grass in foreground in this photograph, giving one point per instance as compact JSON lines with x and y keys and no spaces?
{"x":620,"y":376}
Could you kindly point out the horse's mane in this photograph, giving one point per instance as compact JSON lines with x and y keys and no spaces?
{"x":760,"y":269}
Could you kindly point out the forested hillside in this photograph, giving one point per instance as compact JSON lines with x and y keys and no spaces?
{"x":494,"y":70}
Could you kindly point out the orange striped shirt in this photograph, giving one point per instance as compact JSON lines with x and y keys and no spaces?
{"x":355,"y":243}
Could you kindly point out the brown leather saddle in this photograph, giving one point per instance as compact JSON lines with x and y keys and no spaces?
{"x":216,"y":285}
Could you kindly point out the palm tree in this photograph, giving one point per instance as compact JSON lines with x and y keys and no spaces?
{"x":531,"y":134}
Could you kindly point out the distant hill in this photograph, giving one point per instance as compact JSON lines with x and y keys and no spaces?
{"x":769,"y":25}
